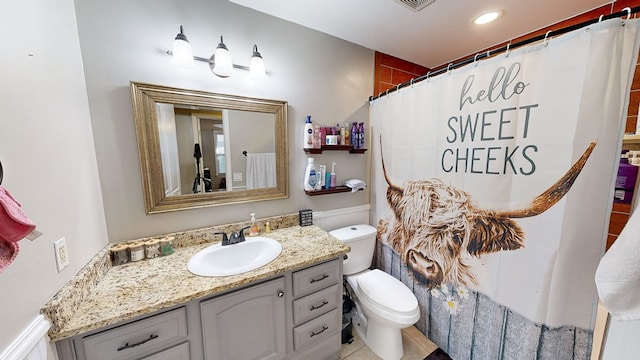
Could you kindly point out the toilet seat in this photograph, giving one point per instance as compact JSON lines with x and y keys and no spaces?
{"x":387,"y":294}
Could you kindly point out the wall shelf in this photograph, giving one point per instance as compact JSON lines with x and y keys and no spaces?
{"x":335,"y":147}
{"x":335,"y":190}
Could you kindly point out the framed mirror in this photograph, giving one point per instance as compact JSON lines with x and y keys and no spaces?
{"x":201,"y":149}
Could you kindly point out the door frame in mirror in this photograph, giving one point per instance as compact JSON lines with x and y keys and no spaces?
{"x":144,"y":98}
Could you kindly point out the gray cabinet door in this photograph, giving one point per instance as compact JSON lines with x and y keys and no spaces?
{"x":246,"y":324}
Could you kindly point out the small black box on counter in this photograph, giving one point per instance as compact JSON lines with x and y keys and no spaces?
{"x":306,"y":217}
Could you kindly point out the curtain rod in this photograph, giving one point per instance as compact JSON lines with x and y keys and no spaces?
{"x":626,"y":11}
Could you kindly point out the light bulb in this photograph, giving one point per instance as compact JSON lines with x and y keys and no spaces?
{"x":223,"y":65}
{"x":182,"y":53}
{"x":256,"y":65}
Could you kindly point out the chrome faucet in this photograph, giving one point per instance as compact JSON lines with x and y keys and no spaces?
{"x":234,"y":237}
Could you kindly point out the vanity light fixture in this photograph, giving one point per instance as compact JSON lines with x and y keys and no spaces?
{"x":220,"y":62}
{"x":487,"y":17}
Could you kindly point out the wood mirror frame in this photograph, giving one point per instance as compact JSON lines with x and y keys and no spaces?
{"x":144,"y":98}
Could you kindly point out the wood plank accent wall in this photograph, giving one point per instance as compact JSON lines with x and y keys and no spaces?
{"x":390,"y":71}
{"x":484,"y":329}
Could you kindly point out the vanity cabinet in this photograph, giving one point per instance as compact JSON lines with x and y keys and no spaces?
{"x":294,"y":316}
{"x":246,"y":324}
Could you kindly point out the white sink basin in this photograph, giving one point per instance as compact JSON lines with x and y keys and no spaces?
{"x":218,"y":260}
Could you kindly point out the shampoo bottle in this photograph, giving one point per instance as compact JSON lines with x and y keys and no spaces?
{"x":308,"y":134}
{"x":361,"y":136}
{"x":354,"y":135}
{"x":310,"y":177}
{"x":346,"y":136}
{"x":317,"y":136}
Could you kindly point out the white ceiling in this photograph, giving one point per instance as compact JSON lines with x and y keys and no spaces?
{"x":438,"y":34}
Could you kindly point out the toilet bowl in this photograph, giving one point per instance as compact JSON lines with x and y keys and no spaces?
{"x":383,"y":305}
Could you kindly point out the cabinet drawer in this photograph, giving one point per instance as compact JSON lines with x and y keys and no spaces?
{"x":316,"y":304}
{"x":142,"y":336}
{"x":316,"y":278}
{"x":317,"y":329}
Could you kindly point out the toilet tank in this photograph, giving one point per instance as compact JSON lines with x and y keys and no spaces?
{"x":362,"y":240}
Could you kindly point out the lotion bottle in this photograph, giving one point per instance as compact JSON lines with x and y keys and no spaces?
{"x":310,"y":176}
{"x":308,"y":134}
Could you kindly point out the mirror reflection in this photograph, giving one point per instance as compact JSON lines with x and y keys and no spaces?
{"x":206,"y":149}
{"x":202,"y":149}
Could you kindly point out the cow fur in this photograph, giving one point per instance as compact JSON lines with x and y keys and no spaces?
{"x":437,"y":229}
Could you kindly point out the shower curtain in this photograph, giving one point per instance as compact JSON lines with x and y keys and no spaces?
{"x":492,"y":186}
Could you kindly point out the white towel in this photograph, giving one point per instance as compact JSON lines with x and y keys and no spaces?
{"x":261,"y":170}
{"x":618,"y":274}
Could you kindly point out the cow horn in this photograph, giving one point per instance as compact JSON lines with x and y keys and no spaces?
{"x":554,"y":193}
{"x":386,"y":176}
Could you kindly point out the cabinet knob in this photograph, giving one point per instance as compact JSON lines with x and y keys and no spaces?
{"x":280,"y":293}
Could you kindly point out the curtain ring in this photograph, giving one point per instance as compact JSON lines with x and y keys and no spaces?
{"x":428,"y":73}
{"x":507,"y":51}
{"x":411,"y":82}
{"x":545,"y":41}
{"x":628,"y":10}
{"x":398,"y":87}
{"x":600,"y":18}
{"x":386,"y":92}
{"x":475,"y":59}
{"x":449,"y":68}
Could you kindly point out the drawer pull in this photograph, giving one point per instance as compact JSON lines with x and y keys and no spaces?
{"x":324,"y":328}
{"x":280,"y":293}
{"x":319,"y":279}
{"x":313,"y":307}
{"x":129,"y":346}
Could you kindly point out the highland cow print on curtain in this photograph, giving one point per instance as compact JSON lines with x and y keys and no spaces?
{"x":492,"y":187}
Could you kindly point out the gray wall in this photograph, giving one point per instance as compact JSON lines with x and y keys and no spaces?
{"x":47,"y":152}
{"x":318,"y":75}
{"x":67,"y":138}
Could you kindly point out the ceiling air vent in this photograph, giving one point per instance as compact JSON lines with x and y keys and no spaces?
{"x":416,"y":5}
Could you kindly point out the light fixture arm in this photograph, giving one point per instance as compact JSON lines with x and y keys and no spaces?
{"x":211,"y":61}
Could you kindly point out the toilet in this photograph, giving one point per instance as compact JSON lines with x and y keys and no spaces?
{"x":383,"y":305}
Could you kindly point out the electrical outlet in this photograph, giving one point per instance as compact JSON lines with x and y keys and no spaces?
{"x":62,"y":255}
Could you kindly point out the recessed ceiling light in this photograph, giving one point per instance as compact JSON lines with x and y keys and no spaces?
{"x":487,"y":17}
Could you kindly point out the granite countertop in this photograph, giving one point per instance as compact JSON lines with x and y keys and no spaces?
{"x":109,"y":295}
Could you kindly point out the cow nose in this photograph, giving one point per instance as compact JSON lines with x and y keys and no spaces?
{"x":424,"y":270}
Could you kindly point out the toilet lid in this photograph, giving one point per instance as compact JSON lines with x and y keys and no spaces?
{"x":387,"y":292}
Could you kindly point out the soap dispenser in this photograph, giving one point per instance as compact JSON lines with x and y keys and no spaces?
{"x":254,"y":229}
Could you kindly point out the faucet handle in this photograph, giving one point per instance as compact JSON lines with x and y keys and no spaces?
{"x":241,"y":233}
{"x":225,"y":239}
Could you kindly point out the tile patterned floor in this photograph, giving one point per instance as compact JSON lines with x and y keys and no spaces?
{"x":416,"y":347}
